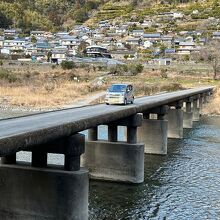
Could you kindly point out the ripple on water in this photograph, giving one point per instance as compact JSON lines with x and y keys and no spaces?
{"x":182,"y":185}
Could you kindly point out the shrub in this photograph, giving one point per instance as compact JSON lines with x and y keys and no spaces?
{"x":132,"y":69}
{"x":135,"y":69}
{"x":6,"y":75}
{"x":163,"y":73}
{"x":67,"y":65}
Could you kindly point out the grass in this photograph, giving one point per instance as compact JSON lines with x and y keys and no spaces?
{"x":47,"y":88}
{"x":213,"y":107}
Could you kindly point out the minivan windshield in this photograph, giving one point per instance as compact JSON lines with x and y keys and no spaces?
{"x":117,"y":88}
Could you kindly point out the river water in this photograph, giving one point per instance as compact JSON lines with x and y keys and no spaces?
{"x":183,"y":185}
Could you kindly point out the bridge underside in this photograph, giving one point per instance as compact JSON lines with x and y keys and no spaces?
{"x":38,"y":191}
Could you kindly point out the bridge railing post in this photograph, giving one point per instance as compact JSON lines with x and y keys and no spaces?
{"x":115,"y":160}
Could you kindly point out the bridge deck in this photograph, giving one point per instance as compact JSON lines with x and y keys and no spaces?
{"x":19,"y":133}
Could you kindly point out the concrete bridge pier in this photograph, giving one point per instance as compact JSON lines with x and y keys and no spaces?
{"x":114,"y":160}
{"x":42,"y":191}
{"x":196,"y":109}
{"x":153,"y":132}
{"x":188,"y":114}
{"x":201,"y":101}
{"x":175,"y":120}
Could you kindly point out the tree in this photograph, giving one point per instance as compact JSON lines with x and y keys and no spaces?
{"x":211,"y":54}
{"x":4,"y":21}
{"x":80,"y":15}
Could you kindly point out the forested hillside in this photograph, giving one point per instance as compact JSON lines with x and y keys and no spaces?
{"x":53,"y":15}
{"x":44,"y":14}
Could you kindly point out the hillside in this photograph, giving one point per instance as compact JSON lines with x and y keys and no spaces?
{"x":63,"y":14}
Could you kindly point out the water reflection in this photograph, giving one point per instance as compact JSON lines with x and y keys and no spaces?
{"x":182,"y":185}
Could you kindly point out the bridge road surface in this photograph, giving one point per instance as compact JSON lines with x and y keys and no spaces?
{"x":20,"y":133}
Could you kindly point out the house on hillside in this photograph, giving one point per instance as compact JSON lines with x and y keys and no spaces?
{"x":137,"y":33}
{"x":42,"y":46}
{"x":152,"y":37}
{"x":70,"y":42}
{"x":161,"y":61}
{"x":37,"y":33}
{"x":10,"y":33}
{"x":147,"y":44}
{"x":62,"y":34}
{"x":216,"y":35}
{"x":124,"y":54}
{"x":147,"y":23}
{"x":58,"y":55}
{"x":185,"y":48}
{"x":15,"y":46}
{"x":167,"y":40}
{"x":122,"y":30}
{"x":169,"y":51}
{"x":134,"y":41}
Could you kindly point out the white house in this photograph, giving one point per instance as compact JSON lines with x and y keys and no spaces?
{"x":147,"y":44}
{"x":70,"y":42}
{"x":162,"y":61}
{"x":137,"y":33}
{"x":37,"y":33}
{"x":134,"y":41}
{"x":58,"y":56}
{"x":185,"y":48}
{"x":15,"y":45}
{"x":152,"y":36}
{"x":216,"y":35}
{"x":122,"y":29}
{"x":10,"y":33}
{"x":147,"y":23}
{"x":178,"y":15}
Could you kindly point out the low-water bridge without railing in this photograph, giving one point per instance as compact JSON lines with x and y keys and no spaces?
{"x":40,"y":191}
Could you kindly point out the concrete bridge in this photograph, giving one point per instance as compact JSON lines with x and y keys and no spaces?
{"x":44,"y":192}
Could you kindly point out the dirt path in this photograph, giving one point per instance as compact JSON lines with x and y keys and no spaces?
{"x":86,"y":100}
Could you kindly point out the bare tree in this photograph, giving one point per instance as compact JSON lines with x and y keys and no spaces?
{"x":211,"y":54}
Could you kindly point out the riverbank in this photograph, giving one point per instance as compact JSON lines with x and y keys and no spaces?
{"x":30,"y":87}
{"x":213,"y":107}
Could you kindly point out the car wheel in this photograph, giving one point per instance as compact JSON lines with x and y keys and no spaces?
{"x":107,"y":103}
{"x":125,"y":102}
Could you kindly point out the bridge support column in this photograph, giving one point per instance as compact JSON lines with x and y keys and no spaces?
{"x":188,"y":115}
{"x":201,"y":101}
{"x":153,"y":132}
{"x":52,"y":192}
{"x":175,"y":121}
{"x":113,"y":160}
{"x":196,"y":109}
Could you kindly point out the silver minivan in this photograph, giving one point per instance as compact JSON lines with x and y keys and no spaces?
{"x":120,"y":94}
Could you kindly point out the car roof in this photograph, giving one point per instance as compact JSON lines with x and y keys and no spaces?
{"x":121,"y":84}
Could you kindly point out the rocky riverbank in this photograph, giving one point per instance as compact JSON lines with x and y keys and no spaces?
{"x":213,"y":107}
